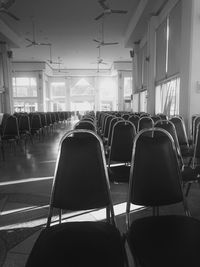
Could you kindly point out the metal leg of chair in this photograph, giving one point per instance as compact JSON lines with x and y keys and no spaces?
{"x":188,"y":189}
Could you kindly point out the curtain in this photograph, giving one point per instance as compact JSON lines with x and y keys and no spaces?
{"x":161,"y":47}
{"x":174,"y":40}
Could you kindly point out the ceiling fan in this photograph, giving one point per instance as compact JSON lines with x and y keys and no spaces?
{"x":33,"y":42}
{"x":102,"y":42}
{"x":107,"y":10}
{"x":5,"y":5}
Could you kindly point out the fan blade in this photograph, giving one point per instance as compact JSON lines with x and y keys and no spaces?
{"x":110,"y":43}
{"x":7,"y":4}
{"x":119,"y":11}
{"x":100,"y":16}
{"x":10,"y":14}
{"x":29,"y":45}
{"x":43,"y":44}
{"x":96,"y":41}
{"x":104,"y":6}
{"x":28,"y":40}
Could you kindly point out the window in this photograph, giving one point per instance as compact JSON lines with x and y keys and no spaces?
{"x":24,"y":87}
{"x":127,"y":87}
{"x":58,"y":89}
{"x":167,"y":97}
{"x":82,"y":87}
{"x":25,"y":106}
{"x":143,"y":101}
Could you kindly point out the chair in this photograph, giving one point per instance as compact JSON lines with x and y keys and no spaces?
{"x":36,"y":125}
{"x":155,"y":180}
{"x":189,"y":174}
{"x":134,"y":119}
{"x":145,"y":123}
{"x":87,"y":125}
{"x":80,"y":183}
{"x":186,"y":150}
{"x":120,"y":151}
{"x":11,"y":131}
{"x":112,"y":123}
{"x":25,"y":128}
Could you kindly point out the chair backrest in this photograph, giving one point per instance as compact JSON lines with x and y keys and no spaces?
{"x":156,"y":118}
{"x":145,"y":123}
{"x":170,"y":128}
{"x":134,"y":119}
{"x":81,"y":177}
{"x":194,"y":127}
{"x":155,"y":177}
{"x":11,"y":127}
{"x":48,"y":117}
{"x":107,"y":125}
{"x":112,"y":123}
{"x":196,"y":155}
{"x":87,"y":125}
{"x":125,"y":116}
{"x":36,"y":121}
{"x":122,"y":141}
{"x":24,"y":123}
{"x":43,"y":119}
{"x":180,"y":130}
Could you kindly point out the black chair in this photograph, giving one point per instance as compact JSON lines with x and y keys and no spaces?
{"x":36,"y":125}
{"x":108,"y":143}
{"x":155,"y":180}
{"x":11,"y":132}
{"x":186,"y":150}
{"x":120,"y":151}
{"x":145,"y":122}
{"x":25,"y":128}
{"x":134,"y":119}
{"x":87,"y":125}
{"x":80,"y":183}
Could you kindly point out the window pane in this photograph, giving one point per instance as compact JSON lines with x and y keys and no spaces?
{"x":24,"y":87}
{"x":127,"y":87}
{"x":58,"y":89}
{"x":167,"y":97}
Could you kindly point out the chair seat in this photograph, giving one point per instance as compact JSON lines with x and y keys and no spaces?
{"x":119,"y":173}
{"x":189,"y":174}
{"x":78,"y":244}
{"x":166,"y":241}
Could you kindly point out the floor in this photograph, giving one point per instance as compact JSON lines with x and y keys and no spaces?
{"x":25,"y":187}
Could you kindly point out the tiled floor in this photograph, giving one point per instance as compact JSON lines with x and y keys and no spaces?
{"x":25,"y":187}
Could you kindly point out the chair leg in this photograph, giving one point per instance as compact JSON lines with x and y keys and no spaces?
{"x":188,"y":189}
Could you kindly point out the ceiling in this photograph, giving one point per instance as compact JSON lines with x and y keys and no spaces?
{"x":70,"y":27}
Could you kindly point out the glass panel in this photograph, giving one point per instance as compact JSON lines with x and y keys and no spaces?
{"x":24,"y":87}
{"x":25,"y":106}
{"x":135,"y":102}
{"x":127,"y":87}
{"x":58,"y":89}
{"x":82,"y":87}
{"x":143,"y":101}
{"x":167,"y":97}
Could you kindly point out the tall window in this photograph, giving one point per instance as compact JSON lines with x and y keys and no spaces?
{"x":167,"y":97}
{"x":25,"y":94}
{"x":168,"y":62}
{"x":24,"y":87}
{"x":107,"y":92}
{"x":58,"y":95}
